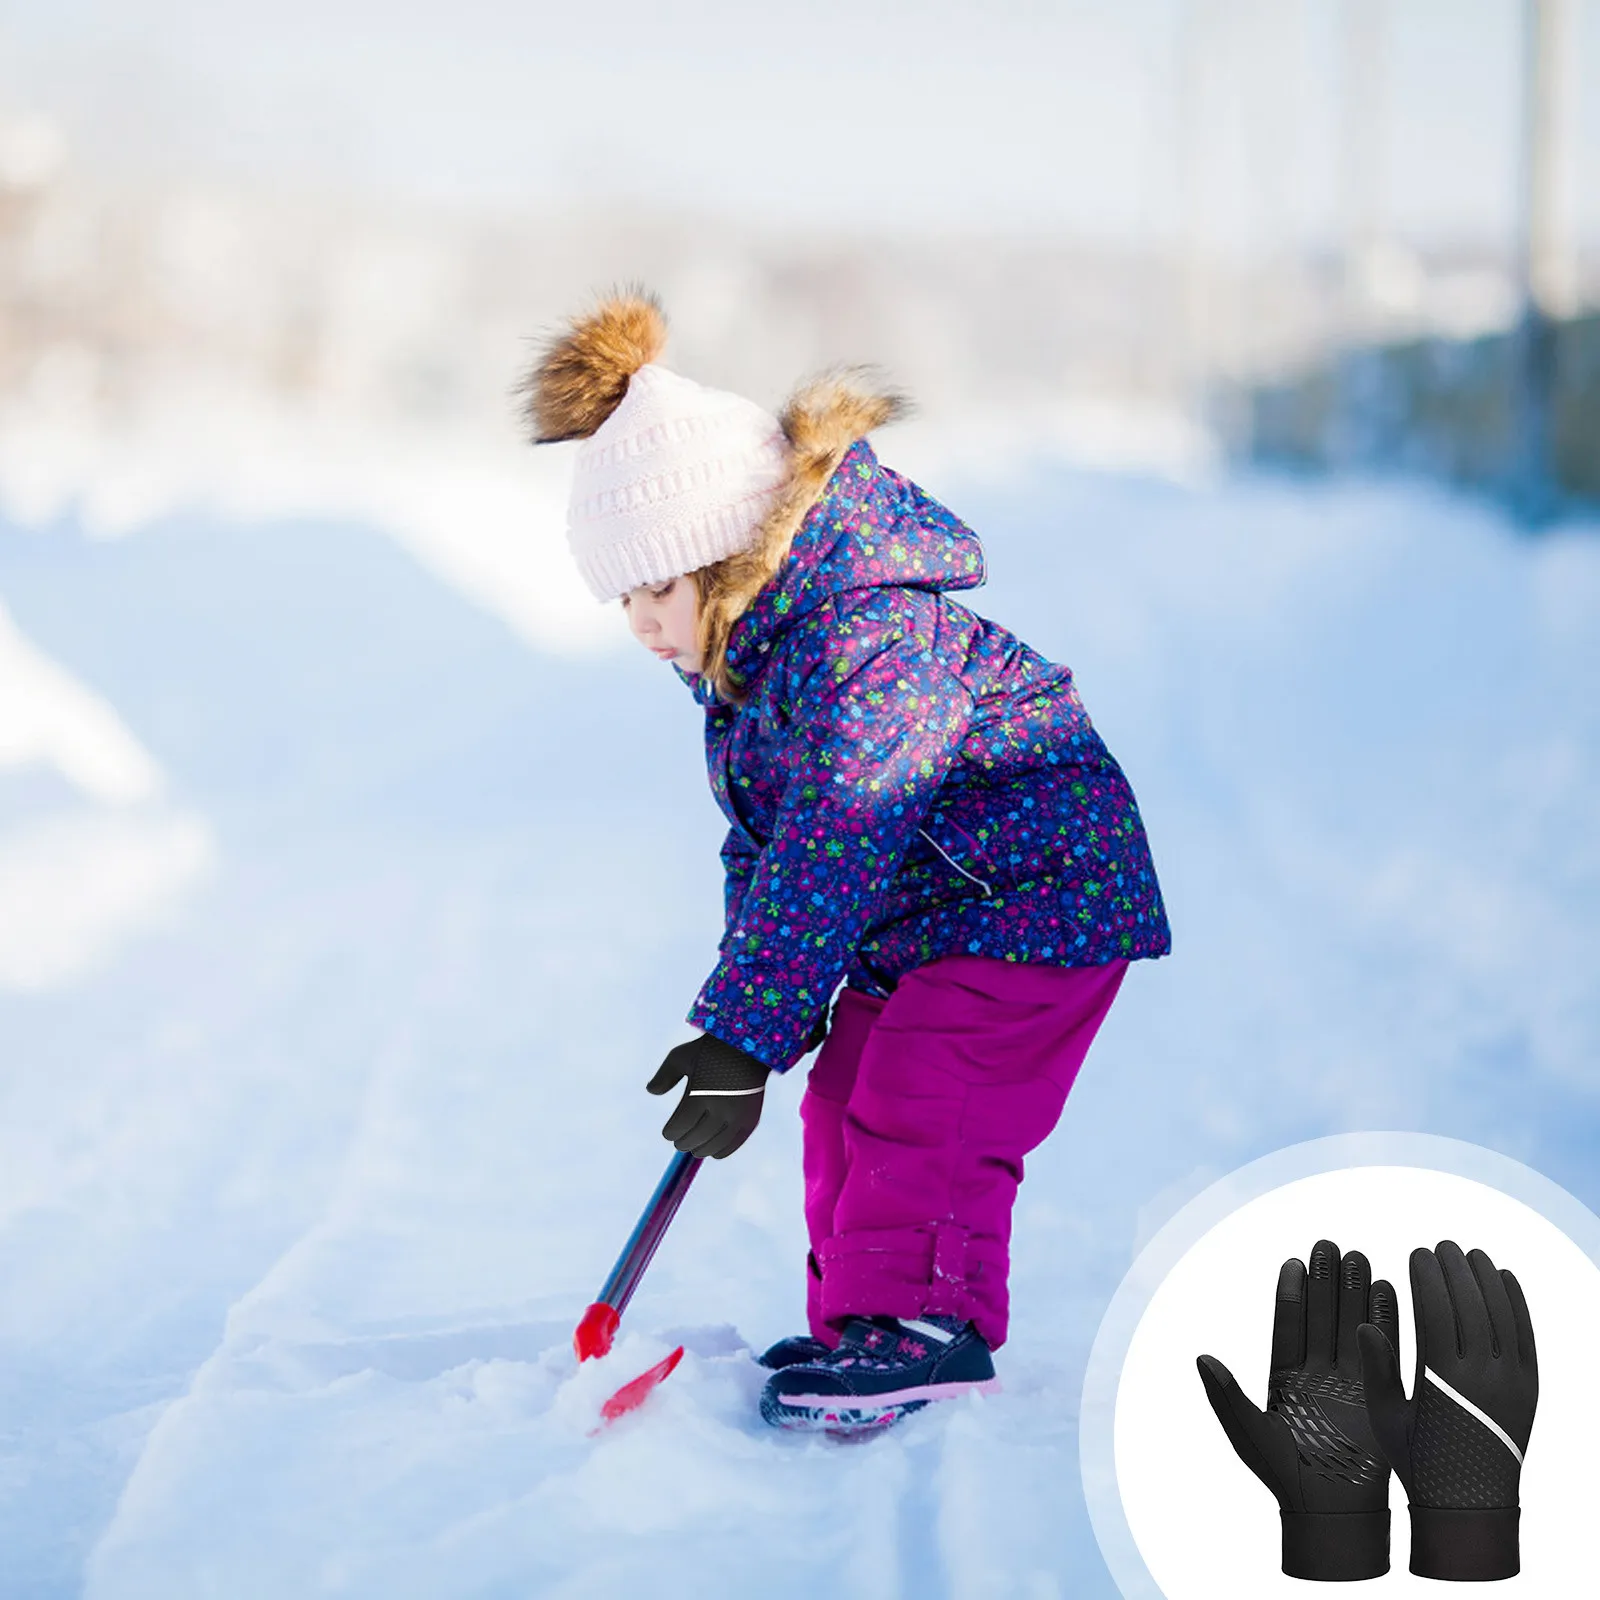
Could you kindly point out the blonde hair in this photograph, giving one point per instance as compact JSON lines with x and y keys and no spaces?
{"x":722,"y":592}
{"x":821,"y":422}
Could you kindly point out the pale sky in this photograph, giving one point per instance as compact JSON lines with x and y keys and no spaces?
{"x":1060,"y":118}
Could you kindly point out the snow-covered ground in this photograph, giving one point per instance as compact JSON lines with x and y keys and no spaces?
{"x":342,"y":919}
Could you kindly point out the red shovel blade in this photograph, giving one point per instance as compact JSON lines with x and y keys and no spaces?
{"x":595,"y":1332}
{"x":633,"y":1395}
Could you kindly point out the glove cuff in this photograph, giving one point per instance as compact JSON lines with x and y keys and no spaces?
{"x":1337,"y":1548}
{"x":1467,"y":1546}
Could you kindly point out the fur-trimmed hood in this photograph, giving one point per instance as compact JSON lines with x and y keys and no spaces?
{"x":842,"y":521}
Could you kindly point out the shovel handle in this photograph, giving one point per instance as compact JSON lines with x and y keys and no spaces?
{"x":647,"y":1234}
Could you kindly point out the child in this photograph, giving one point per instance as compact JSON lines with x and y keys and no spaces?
{"x":917,"y":804}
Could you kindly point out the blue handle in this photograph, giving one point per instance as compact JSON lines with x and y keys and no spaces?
{"x":649,"y":1231}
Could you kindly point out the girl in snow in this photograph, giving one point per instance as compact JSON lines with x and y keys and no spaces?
{"x":917,"y":805}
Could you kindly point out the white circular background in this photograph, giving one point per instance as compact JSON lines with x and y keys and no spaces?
{"x":1202,"y":1525}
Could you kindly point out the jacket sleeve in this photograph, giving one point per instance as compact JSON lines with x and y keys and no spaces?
{"x":739,"y":857}
{"x":874,"y":721}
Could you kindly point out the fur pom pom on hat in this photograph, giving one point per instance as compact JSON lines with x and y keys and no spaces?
{"x":583,"y":374}
{"x":671,"y":476}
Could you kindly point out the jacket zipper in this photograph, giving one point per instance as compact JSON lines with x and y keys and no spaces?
{"x":987,"y":891}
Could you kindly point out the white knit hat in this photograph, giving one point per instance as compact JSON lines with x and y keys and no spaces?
{"x":678,"y":476}
{"x":671,"y":475}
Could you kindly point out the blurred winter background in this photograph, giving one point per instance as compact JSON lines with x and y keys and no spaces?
{"x":355,"y":870}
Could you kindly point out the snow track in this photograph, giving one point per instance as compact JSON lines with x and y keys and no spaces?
{"x":302,"y":1192}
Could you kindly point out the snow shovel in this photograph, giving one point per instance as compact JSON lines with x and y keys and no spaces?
{"x":598,"y":1326}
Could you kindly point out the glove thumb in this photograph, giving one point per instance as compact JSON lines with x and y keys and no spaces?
{"x":670,"y":1071}
{"x":1261,"y":1441}
{"x":1388,"y":1410}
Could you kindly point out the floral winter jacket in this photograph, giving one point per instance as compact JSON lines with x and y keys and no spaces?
{"x":904,"y":780}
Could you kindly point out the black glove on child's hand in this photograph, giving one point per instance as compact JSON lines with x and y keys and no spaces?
{"x":722,"y":1104}
{"x":1312,"y":1446}
{"x":1457,"y":1443}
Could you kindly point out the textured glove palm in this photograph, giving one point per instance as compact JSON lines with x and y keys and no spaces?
{"x":722,"y":1102}
{"x":1312,"y":1446}
{"x":1457,"y":1443}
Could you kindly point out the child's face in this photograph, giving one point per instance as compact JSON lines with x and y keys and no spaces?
{"x":665,"y":618}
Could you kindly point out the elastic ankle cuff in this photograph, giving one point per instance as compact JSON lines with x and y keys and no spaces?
{"x":1466,"y":1546}
{"x":1336,"y":1548}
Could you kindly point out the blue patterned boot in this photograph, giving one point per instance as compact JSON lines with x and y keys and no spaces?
{"x":791,"y":1352}
{"x":884,"y":1369}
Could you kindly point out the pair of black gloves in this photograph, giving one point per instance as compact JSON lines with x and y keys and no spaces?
{"x":721,"y":1102}
{"x":1337,"y":1417}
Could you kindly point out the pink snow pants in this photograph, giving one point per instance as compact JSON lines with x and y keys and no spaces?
{"x":918,"y":1112}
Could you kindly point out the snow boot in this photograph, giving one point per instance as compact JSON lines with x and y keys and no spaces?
{"x":790,"y":1352}
{"x":884,"y":1369}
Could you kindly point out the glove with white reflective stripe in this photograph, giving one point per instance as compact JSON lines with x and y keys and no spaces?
{"x":1457,"y":1444}
{"x":722,"y":1103}
{"x":1312,"y":1446}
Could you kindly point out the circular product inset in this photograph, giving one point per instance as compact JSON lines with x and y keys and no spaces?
{"x":1177,"y":1513}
